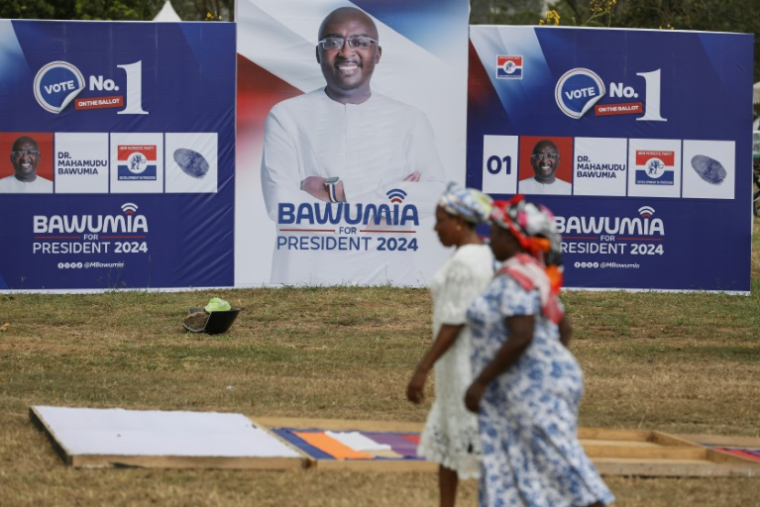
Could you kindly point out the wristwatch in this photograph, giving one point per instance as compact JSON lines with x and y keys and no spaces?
{"x":330,"y":184}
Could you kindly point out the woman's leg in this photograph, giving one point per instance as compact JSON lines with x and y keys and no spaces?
{"x":447,"y":485}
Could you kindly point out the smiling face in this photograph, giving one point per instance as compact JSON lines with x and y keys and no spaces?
{"x":545,"y":161}
{"x":25,"y":156}
{"x":348,"y":70}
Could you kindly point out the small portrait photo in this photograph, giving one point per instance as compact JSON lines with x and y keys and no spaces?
{"x":546,"y":165}
{"x":28,"y":168}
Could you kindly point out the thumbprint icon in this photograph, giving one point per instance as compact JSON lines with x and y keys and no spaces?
{"x":708,"y":169}
{"x":191,"y":162}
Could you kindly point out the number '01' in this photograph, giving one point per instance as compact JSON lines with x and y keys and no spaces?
{"x":133,"y":93}
{"x":496,"y":163}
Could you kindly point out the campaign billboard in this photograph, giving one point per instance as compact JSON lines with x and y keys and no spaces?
{"x":116,"y":154}
{"x":639,"y":141}
{"x":351,"y":121}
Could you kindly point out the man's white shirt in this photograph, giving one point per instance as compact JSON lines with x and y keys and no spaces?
{"x":11,"y":185}
{"x":372,"y":147}
{"x":558,"y":187}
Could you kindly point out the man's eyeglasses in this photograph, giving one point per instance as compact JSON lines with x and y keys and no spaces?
{"x":541,"y":156}
{"x":28,"y":153}
{"x":356,"y":42}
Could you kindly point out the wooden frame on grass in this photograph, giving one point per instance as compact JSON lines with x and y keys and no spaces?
{"x":614,"y":452}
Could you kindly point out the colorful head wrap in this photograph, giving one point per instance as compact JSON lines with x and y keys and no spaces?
{"x":534,"y":227}
{"x":470,"y":204}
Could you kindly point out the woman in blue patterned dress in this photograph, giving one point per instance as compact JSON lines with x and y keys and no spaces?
{"x":528,"y":385}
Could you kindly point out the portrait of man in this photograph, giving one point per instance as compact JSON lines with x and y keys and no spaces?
{"x":545,"y":160}
{"x":344,"y":142}
{"x":25,"y":157}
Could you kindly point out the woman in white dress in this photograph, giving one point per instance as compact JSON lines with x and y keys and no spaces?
{"x":450,"y":437}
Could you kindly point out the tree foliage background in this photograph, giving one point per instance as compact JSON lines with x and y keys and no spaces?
{"x":128,"y":10}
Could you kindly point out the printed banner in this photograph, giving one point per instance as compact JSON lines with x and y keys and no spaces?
{"x":117,"y":167}
{"x":642,"y":154}
{"x":351,"y":121}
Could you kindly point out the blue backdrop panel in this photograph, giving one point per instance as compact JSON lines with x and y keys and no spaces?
{"x":135,"y":127}
{"x":653,"y":133}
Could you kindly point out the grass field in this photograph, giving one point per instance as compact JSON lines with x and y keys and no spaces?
{"x":681,"y":363}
